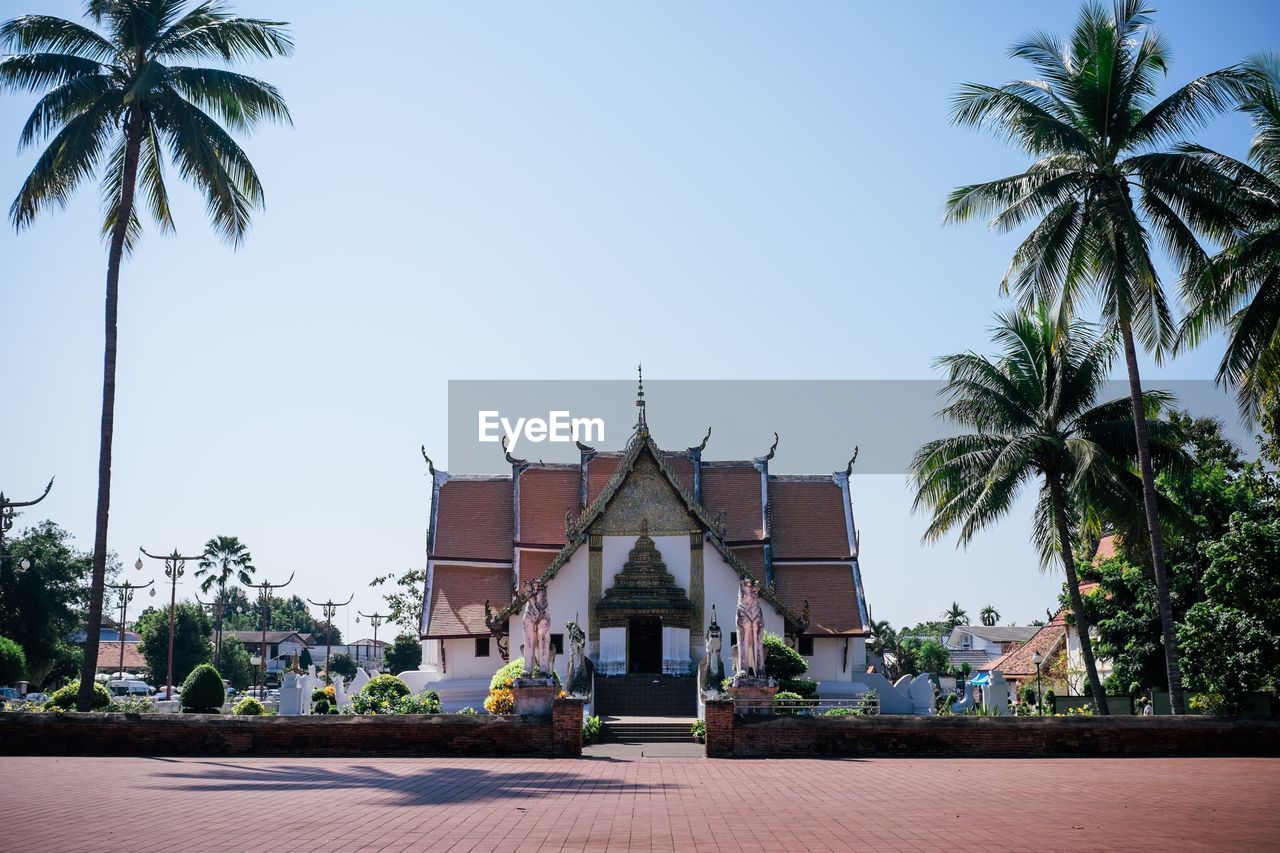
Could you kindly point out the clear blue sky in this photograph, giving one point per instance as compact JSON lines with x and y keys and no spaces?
{"x":476,"y":190}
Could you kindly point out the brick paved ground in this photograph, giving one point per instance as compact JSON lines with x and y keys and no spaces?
{"x":269,"y":804}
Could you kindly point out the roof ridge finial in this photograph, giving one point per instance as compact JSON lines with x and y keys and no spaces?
{"x":642,"y":423}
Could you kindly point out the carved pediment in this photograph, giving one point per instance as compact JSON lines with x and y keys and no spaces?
{"x":645,"y":495}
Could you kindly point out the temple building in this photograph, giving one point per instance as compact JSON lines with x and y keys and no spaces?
{"x":642,"y":548}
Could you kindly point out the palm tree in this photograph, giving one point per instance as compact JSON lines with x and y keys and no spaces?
{"x":122,"y":102}
{"x":990,"y":616}
{"x":954,"y":615}
{"x":1099,"y":188}
{"x":1034,"y":413}
{"x":225,"y":557}
{"x":1241,"y":288}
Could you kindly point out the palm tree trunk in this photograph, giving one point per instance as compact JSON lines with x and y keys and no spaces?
{"x":1167,"y":628}
{"x":1077,"y":600}
{"x":133,"y":144}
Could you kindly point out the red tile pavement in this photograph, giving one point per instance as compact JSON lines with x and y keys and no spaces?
{"x":270,"y":804}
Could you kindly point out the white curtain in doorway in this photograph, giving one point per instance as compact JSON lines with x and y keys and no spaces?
{"x":613,"y":651}
{"x":675,"y":651}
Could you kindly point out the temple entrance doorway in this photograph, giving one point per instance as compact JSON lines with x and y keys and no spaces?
{"x":644,"y":644}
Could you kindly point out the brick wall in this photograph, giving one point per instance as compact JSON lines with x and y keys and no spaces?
{"x":719,"y":719}
{"x":187,"y":734}
{"x":730,"y":735}
{"x":566,"y":728}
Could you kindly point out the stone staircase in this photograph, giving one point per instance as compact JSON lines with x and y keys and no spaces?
{"x":642,"y":732}
{"x":646,"y":696}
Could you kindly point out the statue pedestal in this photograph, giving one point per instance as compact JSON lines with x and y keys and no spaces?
{"x":291,"y":698}
{"x":752,"y":695}
{"x":534,"y":696}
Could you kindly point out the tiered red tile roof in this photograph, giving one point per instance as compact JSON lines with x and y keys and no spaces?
{"x":474,"y":523}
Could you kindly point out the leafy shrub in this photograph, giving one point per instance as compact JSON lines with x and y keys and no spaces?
{"x":468,"y":711}
{"x":319,"y":695}
{"x":13,"y":661}
{"x":838,"y":712}
{"x":786,"y":696}
{"x":507,"y":674}
{"x":945,"y":703}
{"x":699,"y":731}
{"x":591,"y":730}
{"x":65,"y":697}
{"x":248,"y":707}
{"x":1028,"y":695}
{"x":421,"y":703}
{"x":868,"y":703}
{"x":1206,"y":703}
{"x":781,"y":662}
{"x":380,"y":696}
{"x":500,"y":701}
{"x":805,"y":687}
{"x":132,"y":705}
{"x":321,"y":706}
{"x":1081,"y":711}
{"x":203,"y":691}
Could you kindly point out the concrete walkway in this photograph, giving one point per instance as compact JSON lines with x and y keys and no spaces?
{"x":675,"y":804}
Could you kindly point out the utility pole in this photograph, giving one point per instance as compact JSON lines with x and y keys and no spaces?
{"x":329,"y":607}
{"x":375,"y":619}
{"x":126,"y":595}
{"x":174,"y":567}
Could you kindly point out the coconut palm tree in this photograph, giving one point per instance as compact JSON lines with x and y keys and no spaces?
{"x":954,"y":615}
{"x":123,"y":102}
{"x":1103,"y":183}
{"x":1241,"y":288}
{"x":1034,"y":413}
{"x":990,"y":616}
{"x":225,"y":558}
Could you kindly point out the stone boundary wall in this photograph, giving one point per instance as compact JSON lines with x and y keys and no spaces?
{"x":558,"y":735}
{"x":732,"y":735}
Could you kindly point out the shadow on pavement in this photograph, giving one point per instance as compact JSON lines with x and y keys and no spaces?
{"x":434,"y":786}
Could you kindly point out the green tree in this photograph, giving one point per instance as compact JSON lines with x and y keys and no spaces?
{"x":1099,"y":190}
{"x":304,"y":659}
{"x":13,"y":662}
{"x":1036,"y":416}
{"x":42,"y":605}
{"x":225,"y":557}
{"x":405,"y":597}
{"x":404,"y":653}
{"x":283,"y":614}
{"x":933,"y":657}
{"x":1240,"y":290}
{"x":123,"y":101}
{"x":1231,"y":639}
{"x":191,"y":645}
{"x":954,"y":616}
{"x":341,"y":664}
{"x":989,"y":616}
{"x":236,"y":666}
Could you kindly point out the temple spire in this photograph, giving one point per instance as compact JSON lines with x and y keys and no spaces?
{"x":642,"y":423}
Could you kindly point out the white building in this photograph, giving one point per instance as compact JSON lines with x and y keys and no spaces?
{"x":640,"y":548}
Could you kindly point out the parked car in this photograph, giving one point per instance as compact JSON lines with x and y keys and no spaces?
{"x":129,"y":688}
{"x":9,"y":694}
{"x":37,"y":698}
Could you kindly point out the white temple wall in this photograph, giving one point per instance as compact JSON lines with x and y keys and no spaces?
{"x":460,"y":658}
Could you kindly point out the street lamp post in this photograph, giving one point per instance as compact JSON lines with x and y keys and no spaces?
{"x":1038,"y":659}
{"x":375,"y":619}
{"x":6,"y":512}
{"x":126,"y":595}
{"x":264,"y":598}
{"x":174,"y":567}
{"x":329,"y":607}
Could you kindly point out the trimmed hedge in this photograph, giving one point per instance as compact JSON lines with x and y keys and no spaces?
{"x":203,"y":691}
{"x":65,"y":697}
